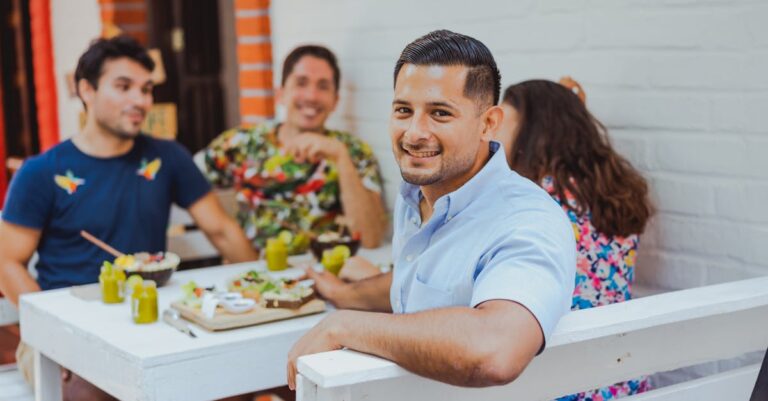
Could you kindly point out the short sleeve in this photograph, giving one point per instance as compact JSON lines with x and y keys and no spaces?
{"x":189,"y":184}
{"x":222,"y":156}
{"x":30,"y":196}
{"x":534,"y":266}
{"x":364,"y":160}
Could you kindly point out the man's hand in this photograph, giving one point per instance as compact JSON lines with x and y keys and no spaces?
{"x":323,"y":337}
{"x":311,"y":148}
{"x":327,"y":285}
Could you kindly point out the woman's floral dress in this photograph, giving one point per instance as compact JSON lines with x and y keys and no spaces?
{"x":605,"y":270}
{"x":274,"y":192}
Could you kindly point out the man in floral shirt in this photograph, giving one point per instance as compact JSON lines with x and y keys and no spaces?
{"x":297,"y":175}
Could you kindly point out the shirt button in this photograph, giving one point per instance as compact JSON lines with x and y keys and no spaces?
{"x":409,"y":258}
{"x":415,"y":222}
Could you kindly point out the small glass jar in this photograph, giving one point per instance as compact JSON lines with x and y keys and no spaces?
{"x":276,"y":254}
{"x":111,"y":281}
{"x":144,"y":302}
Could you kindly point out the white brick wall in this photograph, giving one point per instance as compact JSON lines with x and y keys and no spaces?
{"x":681,"y":84}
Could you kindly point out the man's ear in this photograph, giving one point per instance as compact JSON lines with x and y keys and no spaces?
{"x":492,"y":119}
{"x":86,"y":91}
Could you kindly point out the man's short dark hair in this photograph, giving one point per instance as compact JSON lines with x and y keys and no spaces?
{"x":91,"y":63}
{"x":448,"y":48}
{"x":320,"y":52}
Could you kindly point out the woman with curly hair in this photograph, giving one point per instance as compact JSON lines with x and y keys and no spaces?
{"x":552,"y":139}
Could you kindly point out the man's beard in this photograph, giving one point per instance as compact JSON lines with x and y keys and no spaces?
{"x":117,"y":131}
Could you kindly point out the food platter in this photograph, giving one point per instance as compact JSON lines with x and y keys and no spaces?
{"x":224,"y":320}
{"x":252,"y":297}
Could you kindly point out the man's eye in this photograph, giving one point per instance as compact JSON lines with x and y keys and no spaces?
{"x":402,"y":110}
{"x":441,"y":113}
{"x":146,"y":90}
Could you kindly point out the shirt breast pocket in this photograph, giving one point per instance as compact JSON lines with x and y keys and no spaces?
{"x":424,"y":296}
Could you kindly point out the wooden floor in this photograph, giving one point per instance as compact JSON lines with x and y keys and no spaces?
{"x":9,"y":340}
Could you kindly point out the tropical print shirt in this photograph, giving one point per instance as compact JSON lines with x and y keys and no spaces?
{"x":275,"y":193}
{"x":605,"y":270}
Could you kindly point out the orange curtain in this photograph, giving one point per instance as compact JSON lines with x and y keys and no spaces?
{"x":45,"y":81}
{"x":254,"y":55}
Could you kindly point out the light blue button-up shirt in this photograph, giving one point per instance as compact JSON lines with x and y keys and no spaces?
{"x":499,"y":236}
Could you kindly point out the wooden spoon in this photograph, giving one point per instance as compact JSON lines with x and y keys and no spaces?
{"x":101,"y":244}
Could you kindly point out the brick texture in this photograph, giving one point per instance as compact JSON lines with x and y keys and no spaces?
{"x":681,"y":85}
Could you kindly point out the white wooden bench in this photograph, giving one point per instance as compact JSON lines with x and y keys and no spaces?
{"x":589,"y":349}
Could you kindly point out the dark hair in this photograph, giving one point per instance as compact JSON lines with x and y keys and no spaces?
{"x":91,"y":63}
{"x":557,"y":136}
{"x":320,"y":52}
{"x":444,"y":47}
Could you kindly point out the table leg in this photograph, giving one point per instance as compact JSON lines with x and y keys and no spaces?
{"x":47,"y":378}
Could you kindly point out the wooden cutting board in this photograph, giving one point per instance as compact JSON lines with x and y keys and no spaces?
{"x":224,"y":320}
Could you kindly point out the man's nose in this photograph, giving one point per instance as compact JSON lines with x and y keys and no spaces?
{"x":141,"y":99}
{"x":418,"y":128}
{"x":310,"y":93}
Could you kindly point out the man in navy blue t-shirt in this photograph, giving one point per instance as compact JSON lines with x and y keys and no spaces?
{"x":108,"y":180}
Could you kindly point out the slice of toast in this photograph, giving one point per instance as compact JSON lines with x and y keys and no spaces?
{"x":274,"y":300}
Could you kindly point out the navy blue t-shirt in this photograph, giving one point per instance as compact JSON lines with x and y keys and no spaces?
{"x":125,"y":201}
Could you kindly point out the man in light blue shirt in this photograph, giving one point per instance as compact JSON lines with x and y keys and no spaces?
{"x":484,"y":259}
{"x":499,"y":236}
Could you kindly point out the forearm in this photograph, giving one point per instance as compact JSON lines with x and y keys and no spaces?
{"x":458,"y":345}
{"x":363,"y":208}
{"x":371,"y":294}
{"x":232,"y":243}
{"x":15,"y":281}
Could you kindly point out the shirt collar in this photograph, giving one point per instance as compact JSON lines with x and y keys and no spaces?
{"x":495,"y":169}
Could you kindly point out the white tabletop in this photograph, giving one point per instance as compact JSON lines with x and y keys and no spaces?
{"x":101,"y":343}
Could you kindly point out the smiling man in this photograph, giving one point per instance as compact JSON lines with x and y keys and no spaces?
{"x":109,"y":180}
{"x":297,"y":175}
{"x":484,"y":259}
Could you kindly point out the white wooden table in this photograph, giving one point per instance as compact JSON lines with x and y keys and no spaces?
{"x":156,"y":362}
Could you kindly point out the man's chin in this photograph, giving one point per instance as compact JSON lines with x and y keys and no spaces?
{"x":420,"y":178}
{"x":125,"y":134}
{"x":311,"y":128}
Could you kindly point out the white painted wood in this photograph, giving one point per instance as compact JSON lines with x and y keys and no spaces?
{"x":8,"y":313}
{"x":615,"y":342}
{"x":734,"y":385}
{"x":47,"y":379}
{"x":156,"y":362}
{"x":12,"y":385}
{"x":305,"y":389}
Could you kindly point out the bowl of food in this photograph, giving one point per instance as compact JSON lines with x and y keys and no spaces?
{"x":150,"y":266}
{"x":330,"y":240}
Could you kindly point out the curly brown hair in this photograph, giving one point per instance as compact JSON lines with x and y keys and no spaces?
{"x":557,"y":136}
